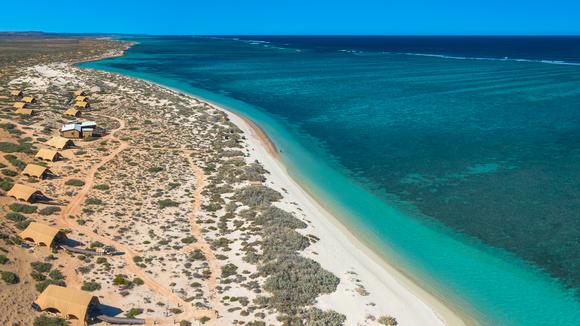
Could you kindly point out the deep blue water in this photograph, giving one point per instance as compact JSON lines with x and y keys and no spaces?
{"x":460,"y":162}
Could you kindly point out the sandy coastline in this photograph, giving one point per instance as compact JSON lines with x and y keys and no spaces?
{"x":340,"y":249}
{"x":390,"y":292}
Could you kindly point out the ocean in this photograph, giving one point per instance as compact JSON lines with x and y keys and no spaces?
{"x":455,"y":158}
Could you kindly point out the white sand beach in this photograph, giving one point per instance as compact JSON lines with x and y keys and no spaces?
{"x":388,"y":291}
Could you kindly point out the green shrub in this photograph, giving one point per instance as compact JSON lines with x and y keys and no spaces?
{"x":9,"y":173}
{"x":287,"y":275}
{"x":16,"y":217}
{"x":75,"y":182}
{"x":229,"y":269}
{"x":188,"y":240}
{"x":155,"y":169}
{"x":3,"y":260}
{"x":15,"y":161}
{"x":102,"y":187}
{"x":120,"y":280}
{"x":317,"y":317}
{"x":6,"y":184}
{"x":91,"y":286}
{"x":41,"y":267}
{"x":167,"y":203}
{"x":387,"y":320}
{"x":55,"y":274}
{"x":9,"y":277}
{"x":93,"y":201}
{"x":44,"y":320}
{"x":134,"y":312}
{"x":138,"y":281}
{"x":49,"y":210}
{"x":22,"y":208}
{"x":257,"y":196}
{"x":22,"y":147}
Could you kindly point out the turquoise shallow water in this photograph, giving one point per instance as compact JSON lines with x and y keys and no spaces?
{"x":460,"y":172}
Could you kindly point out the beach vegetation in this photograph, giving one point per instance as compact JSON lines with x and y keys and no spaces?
{"x":133,"y":312}
{"x":49,"y":210}
{"x":9,"y":277}
{"x":75,"y":182}
{"x":22,"y":208}
{"x":91,"y":286}
{"x":44,"y":320}
{"x":256,"y":196}
{"x":387,"y":320}
{"x":6,"y":184}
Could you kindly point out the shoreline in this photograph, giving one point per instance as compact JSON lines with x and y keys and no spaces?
{"x":259,"y":138}
{"x":414,"y":304}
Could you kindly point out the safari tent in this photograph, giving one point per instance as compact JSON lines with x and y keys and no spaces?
{"x":48,"y":155}
{"x":24,"y":193}
{"x":70,"y":303}
{"x":36,"y":171}
{"x":82,"y":105}
{"x":19,"y":105}
{"x":41,"y":234}
{"x":16,"y":93}
{"x":28,"y":99}
{"x":72,"y":112}
{"x":60,"y":142}
{"x":81,"y":98}
{"x":28,"y":112}
{"x":79,"y":93}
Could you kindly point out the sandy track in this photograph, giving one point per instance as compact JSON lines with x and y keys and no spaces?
{"x":73,"y":207}
{"x":196,"y":231}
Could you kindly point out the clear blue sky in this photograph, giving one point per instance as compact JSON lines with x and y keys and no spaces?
{"x":294,"y":16}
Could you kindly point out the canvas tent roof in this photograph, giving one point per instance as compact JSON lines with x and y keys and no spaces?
{"x":19,"y":105}
{"x":25,"y":111}
{"x":22,"y":192}
{"x":72,"y":112}
{"x":81,"y":98}
{"x":34,"y":170}
{"x":16,"y":92}
{"x":47,"y":154}
{"x":40,"y":233}
{"x":68,"y":301}
{"x":79,"y":93}
{"x":28,"y":99}
{"x":59,"y":142}
{"x":81,"y":104}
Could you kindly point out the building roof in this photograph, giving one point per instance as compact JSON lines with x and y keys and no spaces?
{"x":59,"y":142}
{"x":39,"y":233}
{"x":80,"y":92}
{"x":81,"y":104}
{"x":15,"y":92}
{"x":28,"y":99}
{"x":47,"y":154}
{"x":71,"y":126}
{"x":88,"y":124}
{"x":81,"y":98}
{"x":72,"y":112}
{"x":67,"y":301}
{"x":25,"y":111}
{"x":22,"y":192}
{"x":35,"y":170}
{"x":19,"y":105}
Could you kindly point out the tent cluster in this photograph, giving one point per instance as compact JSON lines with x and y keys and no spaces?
{"x":22,"y":102}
